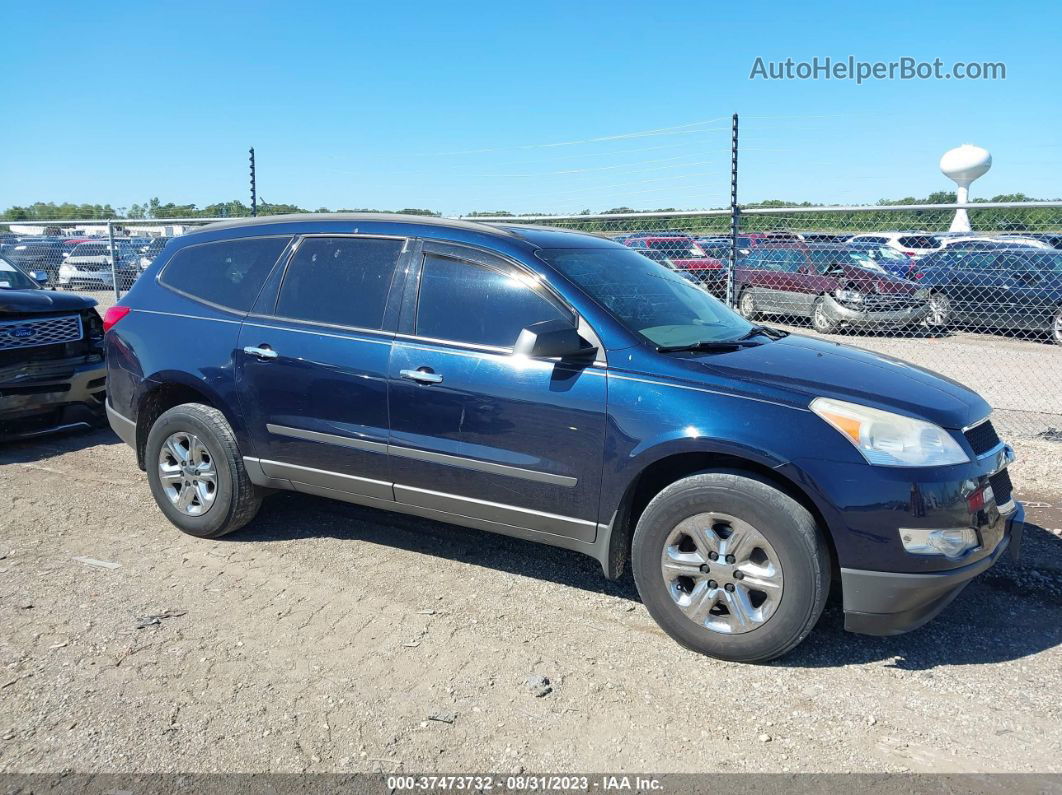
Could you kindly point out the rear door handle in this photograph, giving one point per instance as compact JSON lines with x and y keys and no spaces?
{"x":421,"y":376}
{"x":262,"y":352}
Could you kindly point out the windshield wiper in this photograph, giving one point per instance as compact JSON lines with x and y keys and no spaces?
{"x":767,"y":331}
{"x":708,"y":345}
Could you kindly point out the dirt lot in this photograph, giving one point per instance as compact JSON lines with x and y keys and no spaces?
{"x":330,"y":637}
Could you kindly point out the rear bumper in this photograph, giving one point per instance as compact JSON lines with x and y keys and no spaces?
{"x":36,"y":406}
{"x":123,"y":426}
{"x":863,"y":317}
{"x":890,"y":603}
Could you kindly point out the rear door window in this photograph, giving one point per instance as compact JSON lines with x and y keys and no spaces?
{"x":340,"y":281}
{"x":466,"y":302}
{"x":229,"y":273}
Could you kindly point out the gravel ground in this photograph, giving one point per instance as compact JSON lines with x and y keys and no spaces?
{"x":327,"y":637}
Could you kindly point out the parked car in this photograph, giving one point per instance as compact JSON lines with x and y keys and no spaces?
{"x":561,"y":388}
{"x":831,"y":290}
{"x":1012,"y":289}
{"x":52,"y":375}
{"x":36,"y":254}
{"x":1053,"y":239}
{"x":151,"y":250}
{"x":89,"y":265}
{"x":683,"y":253}
{"x":913,"y":244}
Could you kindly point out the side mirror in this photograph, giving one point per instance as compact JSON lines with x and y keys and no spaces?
{"x":41,"y":277}
{"x":552,"y":338}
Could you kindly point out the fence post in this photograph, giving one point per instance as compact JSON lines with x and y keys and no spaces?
{"x":735,"y":213}
{"x":114,"y":261}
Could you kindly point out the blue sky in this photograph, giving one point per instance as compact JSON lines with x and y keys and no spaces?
{"x":483,"y":106}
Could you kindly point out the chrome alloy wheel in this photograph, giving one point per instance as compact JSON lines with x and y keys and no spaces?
{"x":188,"y":474}
{"x":722,"y":573}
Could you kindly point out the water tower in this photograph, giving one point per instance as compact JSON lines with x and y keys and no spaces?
{"x":963,"y":165}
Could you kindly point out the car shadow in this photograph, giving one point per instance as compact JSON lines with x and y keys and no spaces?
{"x":1010,"y":612}
{"x":37,"y":448}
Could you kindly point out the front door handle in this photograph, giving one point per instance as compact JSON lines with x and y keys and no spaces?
{"x":422,"y":376}
{"x":262,"y":352}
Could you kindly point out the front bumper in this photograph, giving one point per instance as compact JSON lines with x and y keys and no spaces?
{"x":889,"y":603}
{"x":45,"y":397}
{"x":870,"y":317}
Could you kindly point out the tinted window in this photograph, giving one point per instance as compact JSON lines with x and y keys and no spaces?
{"x":92,"y":250}
{"x":343,"y":281}
{"x":919,"y":241}
{"x":464,"y":302}
{"x":229,"y":273}
{"x":646,"y":297}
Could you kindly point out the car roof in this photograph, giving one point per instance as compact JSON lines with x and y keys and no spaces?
{"x":539,"y":236}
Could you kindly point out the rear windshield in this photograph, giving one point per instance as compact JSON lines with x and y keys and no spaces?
{"x":919,"y":241}
{"x":678,"y":247}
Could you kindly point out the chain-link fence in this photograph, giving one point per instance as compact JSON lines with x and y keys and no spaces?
{"x":983,"y":307}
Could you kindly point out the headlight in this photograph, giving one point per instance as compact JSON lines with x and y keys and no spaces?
{"x":888,"y":439}
{"x":849,"y":296}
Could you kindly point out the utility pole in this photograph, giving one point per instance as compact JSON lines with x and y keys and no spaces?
{"x":735,"y":213}
{"x":254,"y":194}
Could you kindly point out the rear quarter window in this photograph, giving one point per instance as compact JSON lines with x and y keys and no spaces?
{"x":229,"y":273}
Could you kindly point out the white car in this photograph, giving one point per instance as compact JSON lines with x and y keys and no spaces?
{"x":913,"y":244}
{"x":89,"y":265}
{"x":1016,"y":240}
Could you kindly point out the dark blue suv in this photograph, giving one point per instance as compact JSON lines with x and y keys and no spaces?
{"x":561,"y":388}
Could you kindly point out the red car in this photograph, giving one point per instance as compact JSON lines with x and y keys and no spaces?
{"x":682,"y":252}
{"x":830,"y":290}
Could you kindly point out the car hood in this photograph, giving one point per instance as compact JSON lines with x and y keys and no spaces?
{"x":870,"y":279}
{"x":817,"y":368}
{"x":39,"y":301}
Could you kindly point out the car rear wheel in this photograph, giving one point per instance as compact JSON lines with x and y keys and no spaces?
{"x":747,"y":305}
{"x":730,"y":566}
{"x":820,"y":321}
{"x":196,"y":472}
{"x":939,"y":310}
{"x":1056,"y":327}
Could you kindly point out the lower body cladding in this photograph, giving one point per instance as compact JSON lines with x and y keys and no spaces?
{"x":580,"y":535}
{"x":869,"y":317}
{"x":38,"y":398}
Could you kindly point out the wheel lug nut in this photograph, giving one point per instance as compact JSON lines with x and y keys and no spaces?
{"x":729,"y":587}
{"x":730,"y":558}
{"x":713,"y":556}
{"x":739,"y":575}
{"x":704,"y":568}
{"x":713,"y":584}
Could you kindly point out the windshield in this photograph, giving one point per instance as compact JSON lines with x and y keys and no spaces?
{"x":11,"y":278}
{"x":646,"y":297}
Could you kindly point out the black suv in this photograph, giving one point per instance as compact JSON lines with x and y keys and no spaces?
{"x":52,"y":375}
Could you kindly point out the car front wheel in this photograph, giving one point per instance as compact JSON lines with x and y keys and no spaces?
{"x":196,"y":472}
{"x":1056,"y":327}
{"x":730,"y":566}
{"x":747,"y":305}
{"x":820,"y":321}
{"x":939,"y":310}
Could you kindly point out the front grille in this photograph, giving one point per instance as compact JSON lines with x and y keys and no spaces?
{"x":1001,"y":486}
{"x":878,"y":302}
{"x":982,"y":438}
{"x":22,"y":334}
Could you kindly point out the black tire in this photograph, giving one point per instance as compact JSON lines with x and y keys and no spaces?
{"x":1056,"y":327}
{"x":819,"y":321}
{"x":236,"y":500}
{"x":788,"y":527}
{"x":747,"y":305}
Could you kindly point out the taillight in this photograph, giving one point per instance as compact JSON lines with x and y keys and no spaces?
{"x":917,"y":275}
{"x":113,"y":315}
